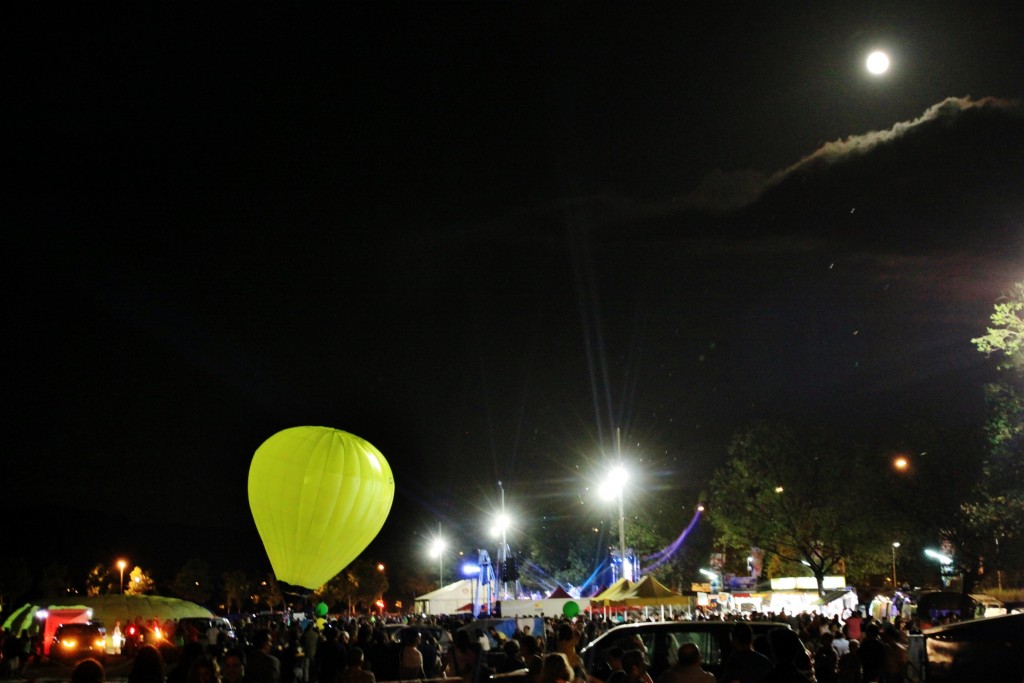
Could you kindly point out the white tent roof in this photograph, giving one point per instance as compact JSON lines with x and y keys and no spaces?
{"x":463,"y":588}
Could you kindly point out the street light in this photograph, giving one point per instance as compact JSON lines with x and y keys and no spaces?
{"x":437,"y":549}
{"x":941,"y":558}
{"x":613,"y":487}
{"x":895,"y":544}
{"x":121,"y":564}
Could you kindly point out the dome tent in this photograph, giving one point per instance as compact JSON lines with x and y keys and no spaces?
{"x":109,"y":609}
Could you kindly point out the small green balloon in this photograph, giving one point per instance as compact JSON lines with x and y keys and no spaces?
{"x":321,"y":609}
{"x":570,"y":609}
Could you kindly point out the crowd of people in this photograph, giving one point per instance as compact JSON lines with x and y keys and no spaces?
{"x":360,"y":650}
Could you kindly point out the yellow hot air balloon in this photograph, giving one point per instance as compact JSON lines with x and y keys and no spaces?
{"x":318,"y":496}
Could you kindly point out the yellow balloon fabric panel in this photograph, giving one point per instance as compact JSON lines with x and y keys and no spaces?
{"x":318,"y":497}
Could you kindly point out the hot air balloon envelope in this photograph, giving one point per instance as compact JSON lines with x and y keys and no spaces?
{"x":318,"y":497}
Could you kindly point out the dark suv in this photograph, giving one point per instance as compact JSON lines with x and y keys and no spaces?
{"x":661,"y":641}
{"x":72,"y":642}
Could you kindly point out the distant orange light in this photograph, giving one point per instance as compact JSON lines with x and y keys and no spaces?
{"x":901,"y":463}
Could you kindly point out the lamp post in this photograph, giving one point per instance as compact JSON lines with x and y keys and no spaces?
{"x":437,"y":549}
{"x":613,"y":487}
{"x":503,"y":551}
{"x":121,"y":564}
{"x":895,"y":544}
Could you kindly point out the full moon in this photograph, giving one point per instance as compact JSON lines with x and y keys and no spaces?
{"x":878,"y":63}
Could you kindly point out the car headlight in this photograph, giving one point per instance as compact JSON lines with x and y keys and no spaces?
{"x":69,"y":643}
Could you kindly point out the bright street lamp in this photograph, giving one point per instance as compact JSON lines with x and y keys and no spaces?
{"x":941,"y":558}
{"x":121,"y":564}
{"x":614,"y":486}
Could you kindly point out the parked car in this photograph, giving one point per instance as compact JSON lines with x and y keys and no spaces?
{"x":395,"y":631}
{"x":203,"y":624}
{"x":73,"y":642}
{"x":661,"y":640}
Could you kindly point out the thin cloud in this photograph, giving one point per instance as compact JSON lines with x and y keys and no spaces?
{"x":722,"y":192}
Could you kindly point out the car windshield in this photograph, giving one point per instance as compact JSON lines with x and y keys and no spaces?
{"x":69,"y":630}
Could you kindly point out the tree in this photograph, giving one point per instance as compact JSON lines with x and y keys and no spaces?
{"x":15,"y":581}
{"x":139,"y":583}
{"x":192,"y":582}
{"x":777,"y":492}
{"x":237,"y":589}
{"x":268,"y":593}
{"x":994,"y":514}
{"x":369,"y":580}
{"x":54,"y":581}
{"x":337,"y":590}
{"x":99,"y":580}
{"x":1007,"y":333}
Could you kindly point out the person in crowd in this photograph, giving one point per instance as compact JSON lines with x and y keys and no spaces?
{"x":288,"y":653}
{"x":148,"y":666}
{"x":634,"y":668}
{"x":566,"y":642}
{"x":88,"y":671}
{"x":849,"y":668}
{"x":872,"y":653}
{"x":190,"y":651}
{"x":556,"y":669}
{"x":354,"y":672}
{"x":233,"y":667}
{"x":203,"y":670}
{"x":432,"y":665}
{"x":895,"y":660}
{"x":466,"y":659}
{"x":687,"y":668}
{"x":511,"y":659}
{"x":263,"y":667}
{"x":212,"y":639}
{"x":789,"y":658}
{"x":10,"y":653}
{"x":840,"y":642}
{"x":330,"y":657}
{"x":410,"y":659}
{"x":853,"y":626}
{"x":310,"y":646}
{"x":826,"y":660}
{"x":529,"y":649}
{"x":744,"y":664}
{"x":481,"y":637}
{"x":381,"y":658}
{"x":612,"y":663}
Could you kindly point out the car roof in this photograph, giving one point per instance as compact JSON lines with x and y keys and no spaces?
{"x":654,"y":626}
{"x":79,"y":627}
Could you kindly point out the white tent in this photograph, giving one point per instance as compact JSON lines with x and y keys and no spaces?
{"x":448,"y":599}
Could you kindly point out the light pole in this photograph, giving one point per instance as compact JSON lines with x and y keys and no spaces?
{"x":895,"y":544}
{"x":614,"y":486}
{"x":437,"y":549}
{"x":121,"y":564}
{"x":503,"y":555}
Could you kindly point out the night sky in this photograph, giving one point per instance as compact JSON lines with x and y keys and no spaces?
{"x":483,"y":236}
